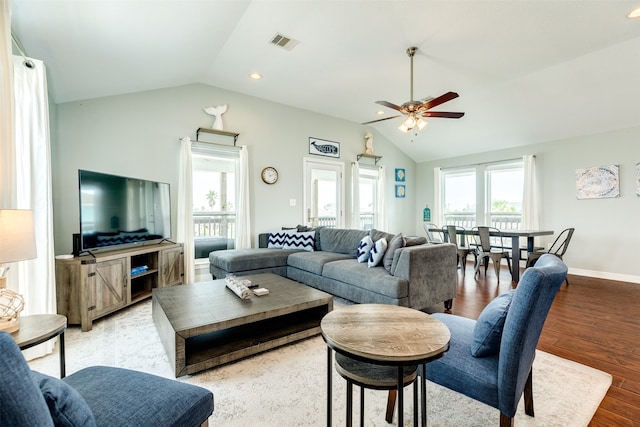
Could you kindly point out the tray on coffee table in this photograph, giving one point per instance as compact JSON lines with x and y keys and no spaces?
{"x":204,"y":324}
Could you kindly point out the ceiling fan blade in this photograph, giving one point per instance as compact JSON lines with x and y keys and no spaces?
{"x":380,"y":120}
{"x":390,"y":105}
{"x":439,"y":100}
{"x":442,"y":114}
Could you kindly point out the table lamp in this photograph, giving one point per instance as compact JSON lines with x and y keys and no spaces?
{"x":17,"y":243}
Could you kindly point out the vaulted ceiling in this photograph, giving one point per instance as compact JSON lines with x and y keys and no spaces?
{"x":526,"y":71}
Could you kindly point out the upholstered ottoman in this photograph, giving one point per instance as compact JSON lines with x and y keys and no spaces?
{"x":249,"y":261}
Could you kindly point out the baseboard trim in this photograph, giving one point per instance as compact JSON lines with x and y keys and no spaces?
{"x":605,"y":275}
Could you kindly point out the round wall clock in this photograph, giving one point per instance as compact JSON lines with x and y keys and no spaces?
{"x":269,"y":175}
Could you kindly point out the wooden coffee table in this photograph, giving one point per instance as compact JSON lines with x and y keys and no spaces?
{"x":203,"y":325}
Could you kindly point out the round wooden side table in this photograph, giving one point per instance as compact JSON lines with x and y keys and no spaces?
{"x":388,"y":335}
{"x":38,"y":328}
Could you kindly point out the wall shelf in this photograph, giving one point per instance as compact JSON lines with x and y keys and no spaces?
{"x":369,"y":156}
{"x":217,"y":132}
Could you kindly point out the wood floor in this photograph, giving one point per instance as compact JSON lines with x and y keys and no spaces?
{"x":595,"y":322}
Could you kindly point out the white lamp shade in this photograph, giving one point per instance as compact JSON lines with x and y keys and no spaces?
{"x":17,"y":235}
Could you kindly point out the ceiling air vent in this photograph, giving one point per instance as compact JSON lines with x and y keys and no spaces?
{"x":283,"y":41}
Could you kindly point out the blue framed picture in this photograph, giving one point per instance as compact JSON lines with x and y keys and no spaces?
{"x":400,"y":191}
{"x":400,"y":175}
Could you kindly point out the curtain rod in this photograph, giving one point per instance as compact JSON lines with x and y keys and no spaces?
{"x":484,"y":163}
{"x":27,"y":62}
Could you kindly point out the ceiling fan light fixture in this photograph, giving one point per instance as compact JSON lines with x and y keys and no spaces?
{"x":421,"y":124}
{"x":403,"y":128}
{"x":634,"y":13}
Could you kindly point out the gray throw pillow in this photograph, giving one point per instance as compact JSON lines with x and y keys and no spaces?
{"x":487,"y":334}
{"x":396,"y":242}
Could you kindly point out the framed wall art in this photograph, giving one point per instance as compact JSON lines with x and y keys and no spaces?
{"x":400,"y":175}
{"x":598,"y":182}
{"x":322,"y":147}
{"x":400,"y":191}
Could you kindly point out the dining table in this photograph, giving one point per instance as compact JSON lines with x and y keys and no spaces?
{"x":515,"y":236}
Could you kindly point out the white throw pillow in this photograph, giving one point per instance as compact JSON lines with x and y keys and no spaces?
{"x":364,"y":247}
{"x":377,"y":252}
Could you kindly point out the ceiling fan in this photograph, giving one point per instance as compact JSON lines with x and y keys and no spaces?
{"x":412,"y":110}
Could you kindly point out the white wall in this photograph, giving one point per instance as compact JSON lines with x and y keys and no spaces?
{"x":607,"y":230}
{"x":137,"y":135}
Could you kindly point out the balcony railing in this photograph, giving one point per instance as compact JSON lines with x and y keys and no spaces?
{"x":214,"y":224}
{"x":502,"y":220}
{"x":366,"y":221}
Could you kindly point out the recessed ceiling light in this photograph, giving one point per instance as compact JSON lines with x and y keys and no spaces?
{"x":379,"y":112}
{"x":634,"y":13}
{"x":255,"y":76}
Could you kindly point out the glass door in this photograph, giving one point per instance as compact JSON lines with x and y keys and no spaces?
{"x":323,"y":193}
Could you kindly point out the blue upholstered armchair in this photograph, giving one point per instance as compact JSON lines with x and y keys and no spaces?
{"x":490,"y":360}
{"x":99,"y":395}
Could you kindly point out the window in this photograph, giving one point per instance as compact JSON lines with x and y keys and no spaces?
{"x":459,"y":197}
{"x":368,"y":191}
{"x":497,"y":203}
{"x":505,"y":183}
{"x":214,"y":198}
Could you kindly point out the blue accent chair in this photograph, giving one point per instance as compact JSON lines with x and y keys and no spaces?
{"x":490,"y":359}
{"x":95,"y":396}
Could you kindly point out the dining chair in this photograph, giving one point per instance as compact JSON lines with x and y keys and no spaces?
{"x":490,"y":246}
{"x":432,"y":237}
{"x":558,"y":248}
{"x":490,"y":360}
{"x":457,"y":235}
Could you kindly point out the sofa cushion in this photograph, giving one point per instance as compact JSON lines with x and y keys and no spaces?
{"x":487,"y":332}
{"x":340,"y":240}
{"x":364,"y":247}
{"x":301,"y":240}
{"x":314,"y":262}
{"x":375,"y":279}
{"x":377,"y":252}
{"x":122,"y":397}
{"x":396,"y":242}
{"x":66,"y":406}
{"x":235,"y":260}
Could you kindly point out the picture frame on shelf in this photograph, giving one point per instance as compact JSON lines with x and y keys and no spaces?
{"x":323,"y":147}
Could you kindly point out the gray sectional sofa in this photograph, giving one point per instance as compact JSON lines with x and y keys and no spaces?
{"x":423,"y":274}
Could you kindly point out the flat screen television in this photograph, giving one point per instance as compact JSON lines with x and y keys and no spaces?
{"x":117,"y":210}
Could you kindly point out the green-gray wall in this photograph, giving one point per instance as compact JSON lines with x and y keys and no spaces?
{"x":137,"y":135}
{"x":607,"y":230}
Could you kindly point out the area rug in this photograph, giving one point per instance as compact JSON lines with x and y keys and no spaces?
{"x":287,"y":386}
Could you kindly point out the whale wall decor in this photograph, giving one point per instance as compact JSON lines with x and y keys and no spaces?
{"x":322,"y":147}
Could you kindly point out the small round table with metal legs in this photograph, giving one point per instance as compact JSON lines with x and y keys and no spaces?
{"x":386,"y":335}
{"x":38,"y":328}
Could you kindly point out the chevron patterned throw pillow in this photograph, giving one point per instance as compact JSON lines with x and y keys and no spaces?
{"x":304,"y":241}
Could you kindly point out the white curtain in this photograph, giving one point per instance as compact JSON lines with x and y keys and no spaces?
{"x":530,"y":203}
{"x":7,"y":145}
{"x":185,"y":209}
{"x":381,"y":217}
{"x":26,"y":173}
{"x":243,"y":219}
{"x":436,"y":208}
{"x":355,"y":195}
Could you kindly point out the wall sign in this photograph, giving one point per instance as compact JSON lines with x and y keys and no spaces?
{"x":322,"y":147}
